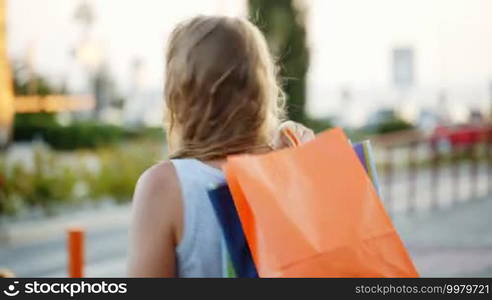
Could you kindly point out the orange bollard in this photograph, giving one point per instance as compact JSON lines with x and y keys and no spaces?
{"x":75,"y":252}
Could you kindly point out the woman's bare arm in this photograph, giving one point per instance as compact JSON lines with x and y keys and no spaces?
{"x":155,"y":224}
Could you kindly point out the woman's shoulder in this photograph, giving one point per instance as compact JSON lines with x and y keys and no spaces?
{"x":158,"y":175}
{"x":158,"y":183}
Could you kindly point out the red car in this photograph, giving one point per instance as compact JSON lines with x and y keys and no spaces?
{"x":460,"y":136}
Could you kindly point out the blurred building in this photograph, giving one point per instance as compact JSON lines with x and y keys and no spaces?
{"x":143,"y":106}
{"x":405,"y":55}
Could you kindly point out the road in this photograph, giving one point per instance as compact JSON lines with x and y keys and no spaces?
{"x":38,"y":249}
{"x":451,"y":241}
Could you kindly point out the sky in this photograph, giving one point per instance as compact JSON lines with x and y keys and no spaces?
{"x":350,"y":45}
{"x":123,"y":31}
{"x":351,"y":49}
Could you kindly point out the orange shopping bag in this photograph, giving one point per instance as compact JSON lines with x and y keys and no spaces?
{"x":312,"y":211}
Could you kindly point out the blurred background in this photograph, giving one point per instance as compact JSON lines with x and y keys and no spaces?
{"x":81,"y":110}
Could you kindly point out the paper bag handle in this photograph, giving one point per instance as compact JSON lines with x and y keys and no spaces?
{"x":294,"y":141}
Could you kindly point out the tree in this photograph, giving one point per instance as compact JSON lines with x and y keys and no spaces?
{"x":283,"y":24}
{"x":386,"y":121}
{"x":32,"y":84}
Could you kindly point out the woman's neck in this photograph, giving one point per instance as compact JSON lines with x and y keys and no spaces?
{"x":215,"y":163}
{"x":218,"y":163}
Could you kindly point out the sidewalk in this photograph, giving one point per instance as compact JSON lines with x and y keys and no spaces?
{"x":451,"y":242}
{"x":105,"y":216}
{"x":39,"y":248}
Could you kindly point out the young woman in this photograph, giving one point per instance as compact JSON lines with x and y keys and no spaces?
{"x":222,"y":98}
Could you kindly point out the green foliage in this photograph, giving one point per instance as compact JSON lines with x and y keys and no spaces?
{"x":45,"y":185}
{"x":73,"y":136}
{"x":392,"y":125}
{"x":319,"y":125}
{"x":36,"y":120}
{"x":55,"y":178}
{"x":30,"y":126}
{"x":78,"y":135}
{"x":5,"y":205}
{"x":33,"y":84}
{"x":119,"y":169}
{"x":284,"y":27}
{"x":37,"y":86}
{"x":146,"y":133}
{"x":386,"y":121}
{"x":83,"y":135}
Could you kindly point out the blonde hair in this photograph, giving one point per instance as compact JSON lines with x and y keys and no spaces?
{"x":221,"y":90}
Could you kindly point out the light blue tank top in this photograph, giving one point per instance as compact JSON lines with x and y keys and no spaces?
{"x":200,"y":252}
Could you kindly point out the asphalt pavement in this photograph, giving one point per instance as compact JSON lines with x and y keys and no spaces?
{"x":450,"y":241}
